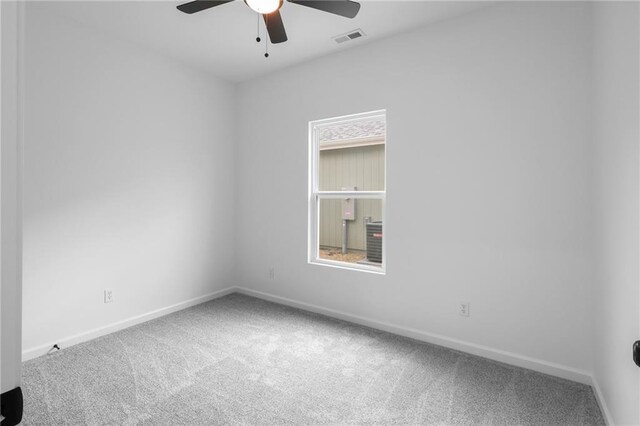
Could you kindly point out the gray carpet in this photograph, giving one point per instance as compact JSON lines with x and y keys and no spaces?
{"x":240,"y":360}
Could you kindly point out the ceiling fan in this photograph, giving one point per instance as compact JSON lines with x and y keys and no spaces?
{"x":270,"y":11}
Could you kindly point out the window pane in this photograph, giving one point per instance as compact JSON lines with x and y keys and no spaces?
{"x":362,"y":221}
{"x":352,"y":155}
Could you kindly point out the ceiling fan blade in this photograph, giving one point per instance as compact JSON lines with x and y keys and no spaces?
{"x":198,"y":5}
{"x":275,"y":27}
{"x":346,"y":8}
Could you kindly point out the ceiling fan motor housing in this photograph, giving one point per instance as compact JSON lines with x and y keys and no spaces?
{"x":264,"y":7}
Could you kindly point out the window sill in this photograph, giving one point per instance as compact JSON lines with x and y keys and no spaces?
{"x":379,"y":270}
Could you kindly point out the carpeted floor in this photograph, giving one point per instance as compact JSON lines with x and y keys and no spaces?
{"x":240,"y":360}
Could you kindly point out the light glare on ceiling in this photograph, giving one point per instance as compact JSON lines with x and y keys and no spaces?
{"x":264,"y":6}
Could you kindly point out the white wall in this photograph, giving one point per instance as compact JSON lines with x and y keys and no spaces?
{"x":488,"y":158}
{"x":127,"y":171}
{"x":10,"y":250}
{"x":130,"y":184}
{"x":617,"y":133}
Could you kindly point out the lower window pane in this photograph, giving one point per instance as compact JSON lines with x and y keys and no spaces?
{"x":351,"y":230}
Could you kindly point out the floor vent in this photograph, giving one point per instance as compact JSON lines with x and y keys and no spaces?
{"x":351,"y":35}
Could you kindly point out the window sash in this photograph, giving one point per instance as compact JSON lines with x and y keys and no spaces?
{"x":314,"y":153}
{"x":350,"y":194}
{"x":314,"y":237}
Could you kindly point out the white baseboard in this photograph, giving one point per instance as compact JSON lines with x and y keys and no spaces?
{"x":511,"y":358}
{"x":120,"y":325}
{"x":601,"y":402}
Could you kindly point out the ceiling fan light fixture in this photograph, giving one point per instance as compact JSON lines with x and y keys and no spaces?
{"x":264,"y":7}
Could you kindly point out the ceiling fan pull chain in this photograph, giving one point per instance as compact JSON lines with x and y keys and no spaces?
{"x":266,"y":48}
{"x":258,"y":29}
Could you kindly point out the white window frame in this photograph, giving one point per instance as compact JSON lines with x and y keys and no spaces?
{"x":315,"y":195}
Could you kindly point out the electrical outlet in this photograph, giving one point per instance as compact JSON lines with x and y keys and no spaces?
{"x":272,"y":273}
{"x":464,"y":309}
{"x":108,"y":295}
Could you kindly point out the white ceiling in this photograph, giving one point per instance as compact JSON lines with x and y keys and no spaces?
{"x":221,"y":40}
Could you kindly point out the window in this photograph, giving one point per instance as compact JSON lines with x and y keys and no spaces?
{"x":347,"y":191}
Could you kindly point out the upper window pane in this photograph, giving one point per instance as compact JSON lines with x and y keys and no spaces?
{"x":352,"y":156}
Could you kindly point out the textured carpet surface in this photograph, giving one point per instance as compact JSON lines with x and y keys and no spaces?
{"x":240,"y":360}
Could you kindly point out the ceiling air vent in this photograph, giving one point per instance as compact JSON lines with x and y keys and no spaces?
{"x":351,"y":35}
